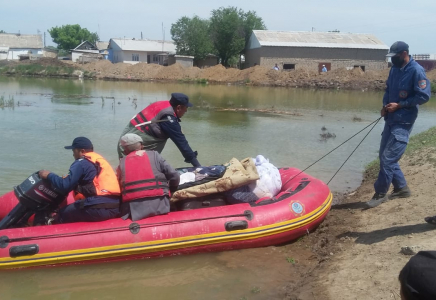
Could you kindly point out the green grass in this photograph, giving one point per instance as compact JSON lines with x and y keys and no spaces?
{"x":290,"y":260}
{"x":7,"y":103}
{"x":417,"y":143}
{"x":433,"y":87}
{"x":35,"y":69}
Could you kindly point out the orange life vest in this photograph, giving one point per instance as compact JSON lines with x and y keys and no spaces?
{"x":153,"y":112}
{"x":138,"y":179}
{"x":105,"y":182}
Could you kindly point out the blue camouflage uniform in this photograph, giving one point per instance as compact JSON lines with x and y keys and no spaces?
{"x":409,"y":87}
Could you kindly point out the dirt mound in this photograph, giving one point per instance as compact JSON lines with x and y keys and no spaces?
{"x":145,"y":71}
{"x":431,"y":75}
{"x":173,"y":72}
{"x":46,"y":62}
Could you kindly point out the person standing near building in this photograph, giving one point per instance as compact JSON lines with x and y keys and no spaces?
{"x":407,"y":87}
{"x":276,"y":67}
{"x":324,"y":69}
{"x":165,"y":123}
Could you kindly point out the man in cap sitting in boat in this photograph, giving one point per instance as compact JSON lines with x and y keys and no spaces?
{"x":95,"y":186}
{"x":145,"y":179}
{"x":417,"y":277}
{"x":160,"y":121}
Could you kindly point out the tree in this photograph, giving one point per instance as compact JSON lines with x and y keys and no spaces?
{"x":70,"y":36}
{"x":230,"y":30}
{"x":2,"y":31}
{"x":191,"y":37}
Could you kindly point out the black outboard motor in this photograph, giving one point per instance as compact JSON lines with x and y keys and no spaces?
{"x":35,"y":195}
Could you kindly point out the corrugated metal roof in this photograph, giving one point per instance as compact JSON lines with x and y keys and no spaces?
{"x":32,"y":41}
{"x":102,"y":45}
{"x":145,"y":45}
{"x":318,"y":39}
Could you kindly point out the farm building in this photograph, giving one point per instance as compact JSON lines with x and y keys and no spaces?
{"x":134,"y":51}
{"x":311,"y":50}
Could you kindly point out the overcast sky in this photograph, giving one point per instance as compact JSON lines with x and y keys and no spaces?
{"x":411,"y":21}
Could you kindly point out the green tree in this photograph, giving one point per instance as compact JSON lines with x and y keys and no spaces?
{"x":70,"y":36}
{"x":191,"y":37}
{"x":2,"y":31}
{"x":230,"y":30}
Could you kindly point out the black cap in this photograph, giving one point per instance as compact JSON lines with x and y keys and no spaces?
{"x":397,"y":47}
{"x":180,"y":99}
{"x":80,"y":142}
{"x":418,"y":276}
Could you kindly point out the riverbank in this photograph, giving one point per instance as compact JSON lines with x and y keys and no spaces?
{"x":254,"y":76}
{"x":358,"y":253}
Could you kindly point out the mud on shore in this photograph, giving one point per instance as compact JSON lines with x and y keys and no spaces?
{"x":255,"y":76}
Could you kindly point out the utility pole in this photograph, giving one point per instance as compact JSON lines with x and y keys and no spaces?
{"x":44,"y":39}
{"x":163,"y":37}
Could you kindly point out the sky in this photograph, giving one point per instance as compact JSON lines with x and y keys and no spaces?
{"x":390,"y":21}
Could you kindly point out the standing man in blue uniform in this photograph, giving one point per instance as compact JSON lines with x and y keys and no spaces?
{"x":165,"y":123}
{"x":407,"y":87}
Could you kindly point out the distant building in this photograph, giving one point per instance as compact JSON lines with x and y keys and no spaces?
{"x":209,"y":61}
{"x":85,"y":52}
{"x":102,"y":49}
{"x":427,"y":61}
{"x":12,"y":46}
{"x":424,"y":56}
{"x":310,"y":50}
{"x":184,"y":60}
{"x":134,"y":51}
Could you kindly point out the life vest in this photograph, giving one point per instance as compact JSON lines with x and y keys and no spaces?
{"x":153,"y":112}
{"x":105,"y":183}
{"x":138,"y":179}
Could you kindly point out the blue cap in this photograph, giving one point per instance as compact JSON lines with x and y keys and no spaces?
{"x":80,"y":142}
{"x":397,"y":47}
{"x":180,"y":99}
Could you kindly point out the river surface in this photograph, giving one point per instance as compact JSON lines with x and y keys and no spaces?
{"x":50,"y":113}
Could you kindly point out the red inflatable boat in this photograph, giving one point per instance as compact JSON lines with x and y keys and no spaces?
{"x":300,"y":207}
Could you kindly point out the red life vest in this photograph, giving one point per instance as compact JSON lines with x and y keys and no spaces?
{"x":153,"y":112}
{"x":137,"y":179}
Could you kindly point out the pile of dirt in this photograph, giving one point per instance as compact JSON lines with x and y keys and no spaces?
{"x":257,"y":76}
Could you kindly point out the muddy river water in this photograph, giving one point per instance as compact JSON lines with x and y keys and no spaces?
{"x":225,"y":122}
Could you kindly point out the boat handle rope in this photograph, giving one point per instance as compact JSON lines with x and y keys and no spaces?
{"x":373,"y":122}
{"x":5,"y":240}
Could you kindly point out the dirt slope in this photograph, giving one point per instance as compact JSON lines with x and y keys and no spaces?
{"x":362,"y":248}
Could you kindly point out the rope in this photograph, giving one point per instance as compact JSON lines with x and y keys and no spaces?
{"x":354,"y":150}
{"x":70,"y":234}
{"x":376,"y":121}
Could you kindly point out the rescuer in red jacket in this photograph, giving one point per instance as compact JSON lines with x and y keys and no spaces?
{"x":145,"y":179}
{"x":165,"y":123}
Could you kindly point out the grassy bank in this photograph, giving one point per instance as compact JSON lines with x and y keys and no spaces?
{"x":424,"y":143}
{"x":37,"y":70}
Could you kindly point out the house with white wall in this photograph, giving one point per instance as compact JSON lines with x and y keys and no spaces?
{"x":12,"y":45}
{"x":134,"y":51}
{"x":84,"y":50}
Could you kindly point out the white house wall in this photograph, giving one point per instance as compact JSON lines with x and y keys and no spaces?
{"x":14,"y":54}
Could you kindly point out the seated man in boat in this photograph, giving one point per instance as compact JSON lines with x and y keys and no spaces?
{"x":145,"y":179}
{"x":163,"y":122}
{"x":94,"y":183}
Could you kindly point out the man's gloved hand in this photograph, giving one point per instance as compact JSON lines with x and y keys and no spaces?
{"x":195,"y":162}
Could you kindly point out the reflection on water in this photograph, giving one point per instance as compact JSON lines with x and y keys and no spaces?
{"x":32,"y":138}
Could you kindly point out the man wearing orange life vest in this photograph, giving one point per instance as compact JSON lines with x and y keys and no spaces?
{"x":145,"y":179}
{"x":94,"y":183}
{"x":165,"y":117}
